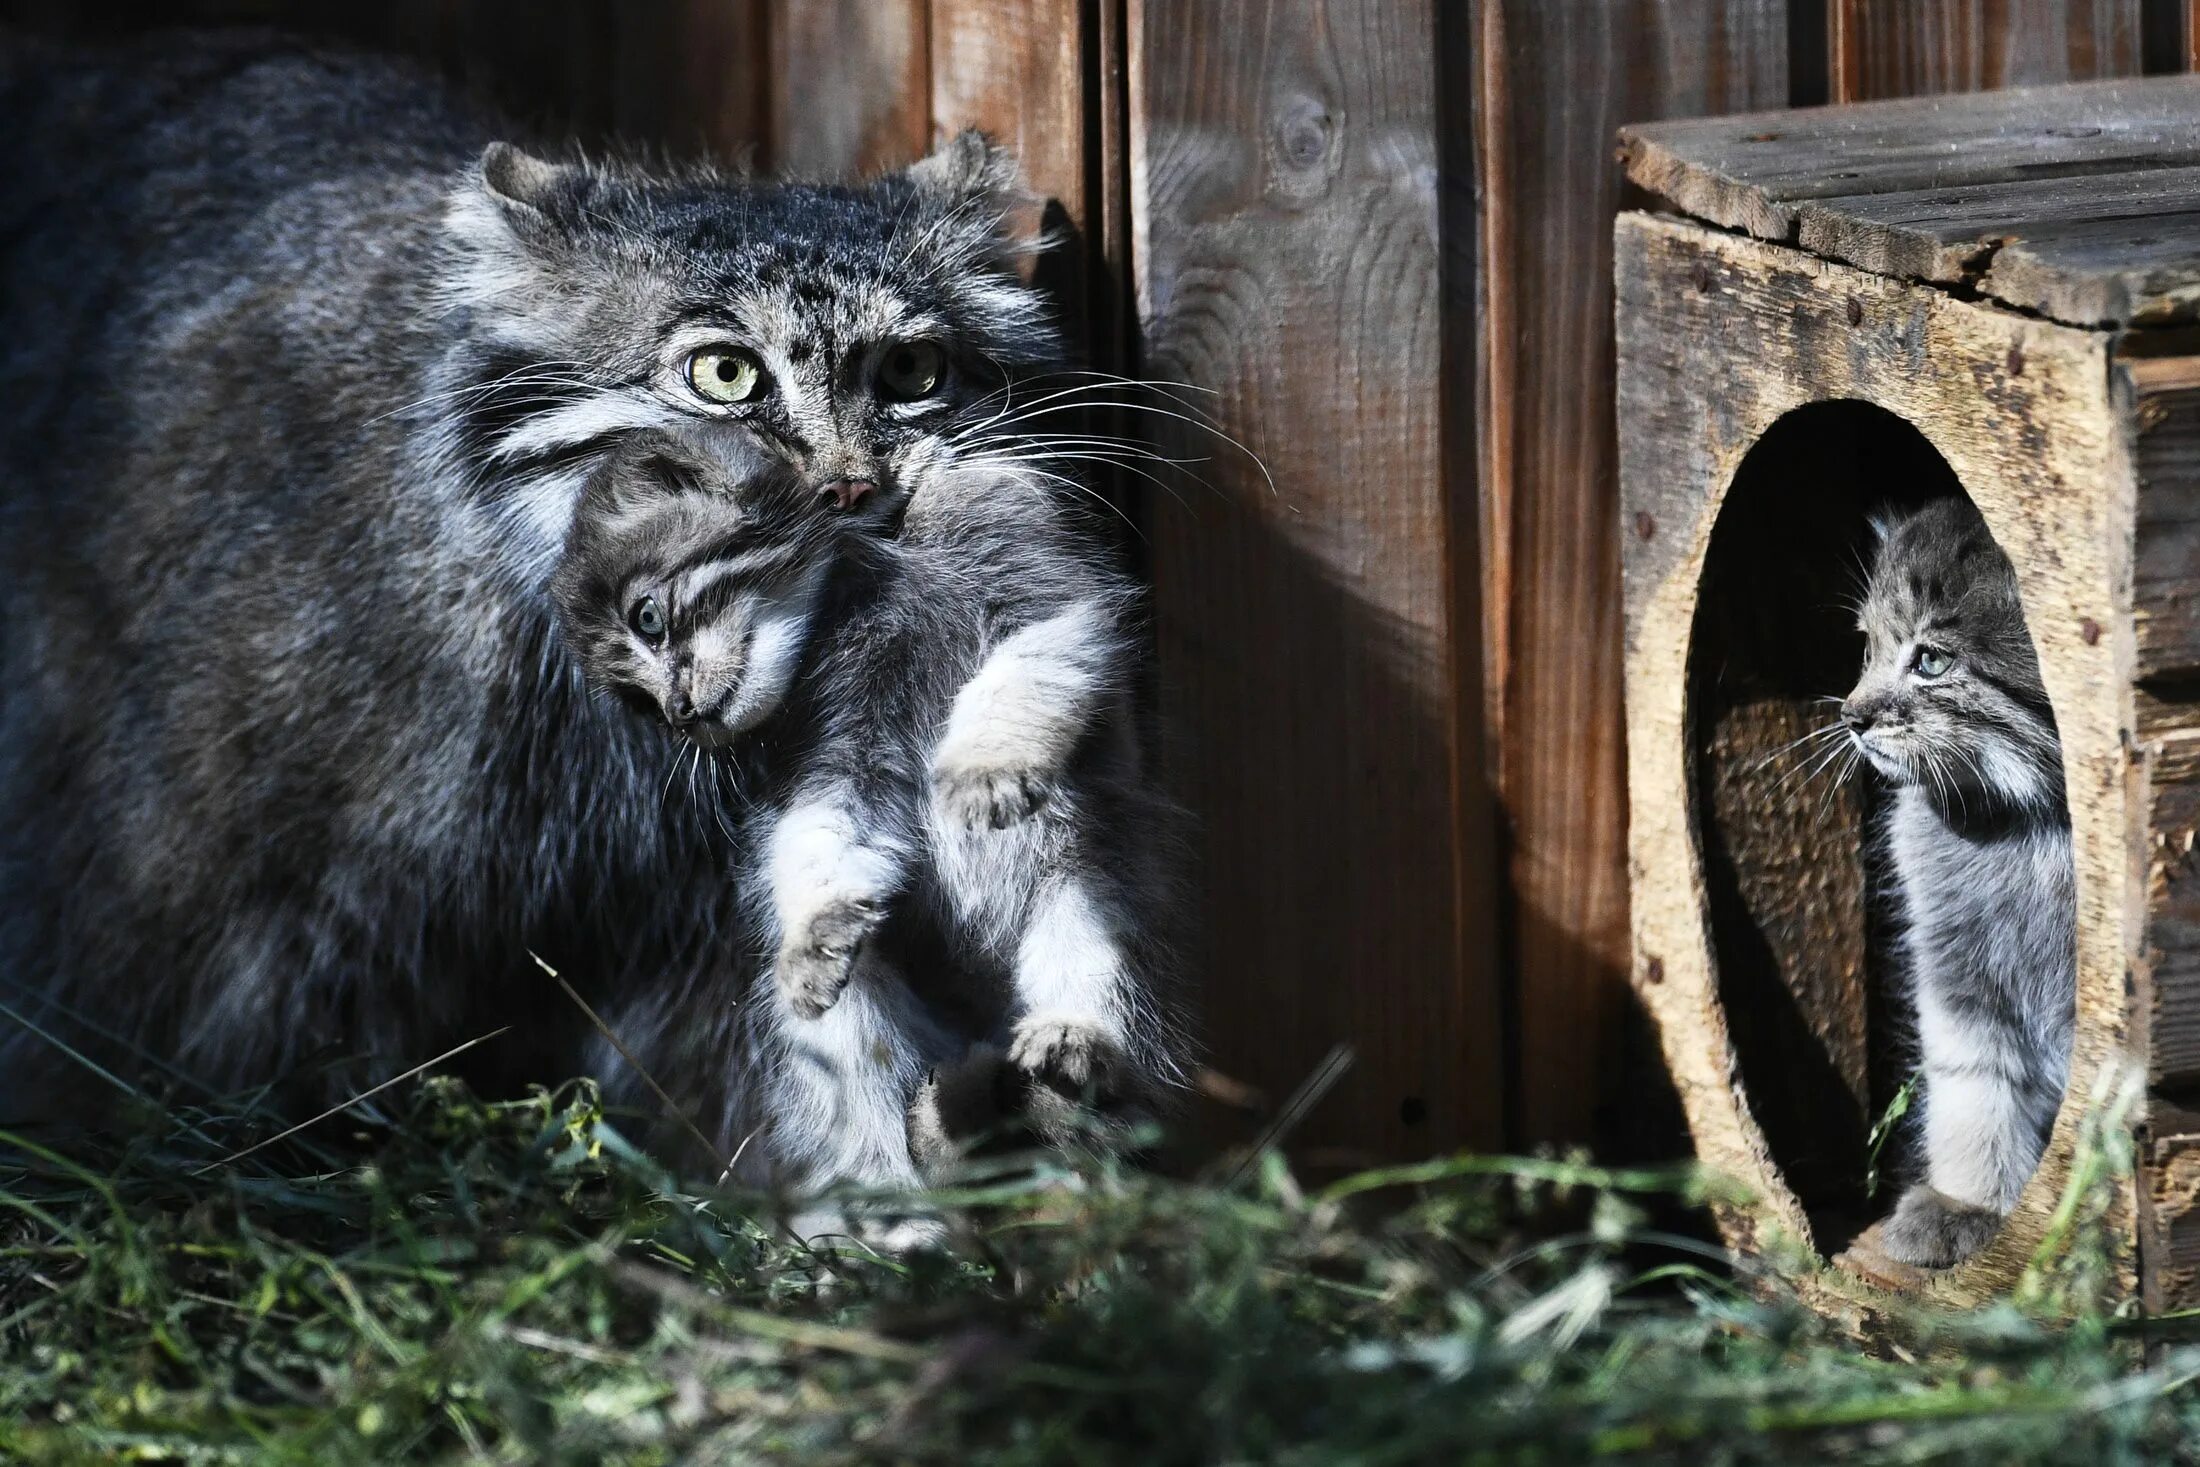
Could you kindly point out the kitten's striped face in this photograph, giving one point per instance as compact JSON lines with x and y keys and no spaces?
{"x":863,"y":335}
{"x":688,"y":591}
{"x":1950,"y":699}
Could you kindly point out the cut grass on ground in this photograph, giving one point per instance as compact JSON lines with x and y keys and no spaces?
{"x":470,"y":1282}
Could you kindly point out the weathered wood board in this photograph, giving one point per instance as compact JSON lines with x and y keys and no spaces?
{"x":2077,"y":202}
{"x":1283,"y":189}
{"x":1550,"y":85}
{"x":1907,"y":48}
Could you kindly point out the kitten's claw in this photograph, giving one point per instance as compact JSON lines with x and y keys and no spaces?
{"x":817,"y":959}
{"x":981,"y":798}
{"x":1929,"y":1229}
{"x":1070,"y":1053}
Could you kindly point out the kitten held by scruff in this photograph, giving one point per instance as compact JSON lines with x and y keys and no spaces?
{"x":952,"y":840}
{"x":1951,"y":712}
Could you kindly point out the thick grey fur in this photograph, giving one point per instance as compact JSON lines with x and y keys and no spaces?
{"x":1979,"y":842}
{"x":303,"y":380}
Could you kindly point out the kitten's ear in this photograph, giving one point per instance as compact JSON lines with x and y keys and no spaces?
{"x":1882,"y":522}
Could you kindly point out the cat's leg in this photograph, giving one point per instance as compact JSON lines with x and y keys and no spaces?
{"x":829,"y":874}
{"x":1073,"y":986}
{"x":838,"y":1100}
{"x":1014,"y":725}
{"x":1988,"y":1102}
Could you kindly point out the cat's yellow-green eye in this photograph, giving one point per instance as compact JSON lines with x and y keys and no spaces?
{"x":1930,"y":664}
{"x":724,"y":374}
{"x":912,"y":369}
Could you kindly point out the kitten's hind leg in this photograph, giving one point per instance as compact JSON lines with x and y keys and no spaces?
{"x":829,"y":881}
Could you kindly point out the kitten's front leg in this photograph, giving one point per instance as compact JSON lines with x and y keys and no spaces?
{"x":829,"y":884}
{"x":1015,"y":724}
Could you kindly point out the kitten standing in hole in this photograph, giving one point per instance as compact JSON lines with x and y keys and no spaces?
{"x":1951,"y":712}
{"x":952,"y":840}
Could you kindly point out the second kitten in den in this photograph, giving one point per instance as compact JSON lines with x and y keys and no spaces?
{"x":952,"y":840}
{"x":1951,"y":712}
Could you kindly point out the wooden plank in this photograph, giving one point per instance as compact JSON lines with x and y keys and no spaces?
{"x":1283,"y":182}
{"x":2166,"y":548}
{"x":1754,"y":172}
{"x":1018,"y":69}
{"x":851,"y":85}
{"x":1907,"y":48}
{"x":1947,"y":235}
{"x":691,"y":77}
{"x":1554,"y":80}
{"x":2169,"y":1223}
{"x":2164,"y":394}
{"x":2167,"y":980}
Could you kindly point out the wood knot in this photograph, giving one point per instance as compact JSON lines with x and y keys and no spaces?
{"x":1653,"y":971}
{"x":2089,"y":631}
{"x":1856,"y":311}
{"x":2016,"y":361}
{"x":1645,"y":526}
{"x":1702,"y":278}
{"x":1305,"y":133}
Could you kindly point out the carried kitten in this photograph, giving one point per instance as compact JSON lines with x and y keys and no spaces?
{"x":956,"y":758}
{"x":1951,"y":711}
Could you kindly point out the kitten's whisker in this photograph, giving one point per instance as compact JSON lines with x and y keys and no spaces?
{"x":1839,"y":780}
{"x":1794,"y":743}
{"x":1818,"y":760}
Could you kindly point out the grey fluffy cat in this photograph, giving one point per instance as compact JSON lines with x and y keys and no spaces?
{"x":950,"y":837}
{"x":1950,"y":710}
{"x":305,"y":376}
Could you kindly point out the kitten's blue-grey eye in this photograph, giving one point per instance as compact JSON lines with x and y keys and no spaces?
{"x":725,"y":374}
{"x":648,"y":619}
{"x":1930,"y":664}
{"x":912,"y":369}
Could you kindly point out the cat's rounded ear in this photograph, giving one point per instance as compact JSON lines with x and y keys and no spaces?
{"x":529,"y":188}
{"x":972,"y":178}
{"x":968,"y":167}
{"x":1882,"y":521}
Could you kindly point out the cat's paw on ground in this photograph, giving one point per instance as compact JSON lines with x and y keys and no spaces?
{"x":1929,"y":1229}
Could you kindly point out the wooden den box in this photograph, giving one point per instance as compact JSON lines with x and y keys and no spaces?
{"x":1849,"y":307}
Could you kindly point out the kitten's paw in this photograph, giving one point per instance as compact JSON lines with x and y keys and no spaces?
{"x":1928,"y":1229}
{"x":987,"y":796}
{"x":1065,"y":1053}
{"x":818,"y":957}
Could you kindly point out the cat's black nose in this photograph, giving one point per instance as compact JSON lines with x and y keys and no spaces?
{"x":1858,"y":719}
{"x":681,"y":710}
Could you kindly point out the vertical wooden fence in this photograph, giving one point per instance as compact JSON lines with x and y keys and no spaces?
{"x":1370,"y":238}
